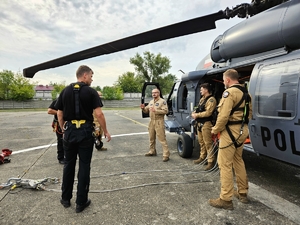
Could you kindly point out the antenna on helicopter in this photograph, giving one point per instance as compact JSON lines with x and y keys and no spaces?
{"x":181,"y":71}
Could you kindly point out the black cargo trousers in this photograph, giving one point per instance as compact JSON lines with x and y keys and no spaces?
{"x":77,"y":142}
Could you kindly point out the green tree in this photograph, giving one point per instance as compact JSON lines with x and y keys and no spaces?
{"x":57,"y":88}
{"x":151,"y":66}
{"x":166,"y":83}
{"x":112,"y":93}
{"x":98,"y":88}
{"x":129,"y":82}
{"x":154,"y":68}
{"x":6,"y":79}
{"x":21,"y":89}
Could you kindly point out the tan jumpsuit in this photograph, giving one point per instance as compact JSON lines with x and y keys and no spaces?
{"x":230,"y":157}
{"x":156,"y":125}
{"x":204,"y":137}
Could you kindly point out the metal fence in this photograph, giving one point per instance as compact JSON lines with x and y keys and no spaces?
{"x":44,"y":104}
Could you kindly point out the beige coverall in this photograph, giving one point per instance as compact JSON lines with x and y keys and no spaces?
{"x":204,"y":137}
{"x":156,"y":125}
{"x":230,"y":157}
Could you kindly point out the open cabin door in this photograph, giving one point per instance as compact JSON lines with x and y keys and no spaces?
{"x":147,"y":94}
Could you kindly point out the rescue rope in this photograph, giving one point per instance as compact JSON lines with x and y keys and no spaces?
{"x":27,"y":170}
{"x":182,"y":170}
{"x":137,"y":186}
{"x":214,"y":150}
{"x":201,"y":180}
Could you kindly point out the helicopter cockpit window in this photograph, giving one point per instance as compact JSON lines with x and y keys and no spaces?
{"x":182,"y":97}
{"x":277,"y":89}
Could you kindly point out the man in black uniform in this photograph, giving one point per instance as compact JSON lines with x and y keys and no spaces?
{"x":75,"y":105}
{"x":56,"y":128}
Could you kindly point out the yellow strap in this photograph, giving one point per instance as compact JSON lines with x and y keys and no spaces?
{"x":78,"y":122}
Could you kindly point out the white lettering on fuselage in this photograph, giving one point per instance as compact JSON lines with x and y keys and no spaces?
{"x":280,"y":139}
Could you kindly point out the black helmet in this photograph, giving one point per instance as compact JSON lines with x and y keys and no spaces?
{"x":98,"y":144}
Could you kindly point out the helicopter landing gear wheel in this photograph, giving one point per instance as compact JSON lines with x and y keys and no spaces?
{"x":185,"y":145}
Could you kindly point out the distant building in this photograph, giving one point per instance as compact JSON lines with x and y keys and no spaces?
{"x":43,"y":92}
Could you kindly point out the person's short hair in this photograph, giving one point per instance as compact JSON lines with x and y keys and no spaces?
{"x":207,"y":86}
{"x":232,"y":74}
{"x":83,"y":69}
{"x":157,"y":90}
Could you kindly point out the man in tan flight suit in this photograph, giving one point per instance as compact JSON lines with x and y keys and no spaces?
{"x":98,"y":129}
{"x":203,"y":116}
{"x":157,"y":108}
{"x":233,"y":133}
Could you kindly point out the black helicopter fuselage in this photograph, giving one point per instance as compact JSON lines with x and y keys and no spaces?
{"x":264,"y":49}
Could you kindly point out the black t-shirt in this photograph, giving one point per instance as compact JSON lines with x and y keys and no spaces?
{"x":88,"y":101}
{"x":52,"y":106}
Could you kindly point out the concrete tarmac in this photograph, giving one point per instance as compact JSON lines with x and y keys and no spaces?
{"x":126,"y":187}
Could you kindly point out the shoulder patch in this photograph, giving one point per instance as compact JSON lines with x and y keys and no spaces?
{"x":165,"y":103}
{"x":211,"y":100}
{"x":225,"y":94}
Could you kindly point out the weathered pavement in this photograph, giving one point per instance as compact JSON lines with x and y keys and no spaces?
{"x":126,"y":187}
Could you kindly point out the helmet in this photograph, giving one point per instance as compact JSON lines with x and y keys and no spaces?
{"x":98,"y":143}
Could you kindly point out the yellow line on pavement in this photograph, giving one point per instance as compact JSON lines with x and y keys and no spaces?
{"x":132,"y":120}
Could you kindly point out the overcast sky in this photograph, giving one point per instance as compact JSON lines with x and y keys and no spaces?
{"x":36,"y":31}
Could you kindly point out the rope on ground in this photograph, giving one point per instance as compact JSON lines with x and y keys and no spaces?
{"x":138,"y":186}
{"x":30,"y":166}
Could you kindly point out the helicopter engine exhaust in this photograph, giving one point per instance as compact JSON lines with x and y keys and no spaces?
{"x":277,"y":25}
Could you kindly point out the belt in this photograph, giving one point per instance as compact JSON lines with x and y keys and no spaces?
{"x":77,"y":123}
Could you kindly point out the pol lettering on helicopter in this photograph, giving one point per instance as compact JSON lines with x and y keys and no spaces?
{"x":264,"y":48}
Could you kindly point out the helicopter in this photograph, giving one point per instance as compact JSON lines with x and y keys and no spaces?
{"x":265,"y":50}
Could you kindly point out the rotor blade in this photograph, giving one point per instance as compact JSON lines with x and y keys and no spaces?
{"x":175,"y":30}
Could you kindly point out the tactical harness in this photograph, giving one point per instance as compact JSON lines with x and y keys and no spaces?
{"x":245,"y":119}
{"x":201,"y":108}
{"x":96,"y":132}
{"x":76,"y":88}
{"x":78,"y":122}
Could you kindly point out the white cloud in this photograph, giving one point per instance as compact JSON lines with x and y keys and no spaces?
{"x":35,"y":31}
